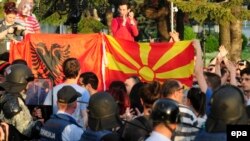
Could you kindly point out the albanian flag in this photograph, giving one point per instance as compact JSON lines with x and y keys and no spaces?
{"x":149,"y":61}
{"x":45,"y":53}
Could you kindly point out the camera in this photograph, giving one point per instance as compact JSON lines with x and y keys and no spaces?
{"x":15,"y":29}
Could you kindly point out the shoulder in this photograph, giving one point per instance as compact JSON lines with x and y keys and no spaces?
{"x":187,"y":115}
{"x":72,"y":132}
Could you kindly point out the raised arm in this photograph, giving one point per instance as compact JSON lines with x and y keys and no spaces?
{"x":198,"y":69}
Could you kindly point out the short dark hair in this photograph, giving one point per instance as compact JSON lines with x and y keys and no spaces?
{"x":245,"y":71}
{"x":71,"y":68}
{"x":197,"y":99}
{"x":90,"y":78}
{"x":10,"y":8}
{"x":169,"y":87}
{"x":213,"y":79}
{"x":124,"y":2}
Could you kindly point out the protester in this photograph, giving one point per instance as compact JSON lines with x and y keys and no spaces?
{"x":188,"y":126}
{"x":14,"y":111}
{"x":9,"y":29}
{"x":62,"y":125}
{"x":89,"y":81}
{"x":142,"y":124}
{"x":227,"y":108}
{"x":165,"y":115}
{"x":25,"y":17}
{"x":134,"y":97}
{"x":71,"y":71}
{"x":245,"y":83}
{"x":125,"y":26}
{"x":130,"y":82}
{"x":197,"y":101}
{"x":118,"y":91}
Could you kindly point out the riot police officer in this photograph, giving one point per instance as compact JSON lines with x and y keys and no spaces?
{"x":12,"y":106}
{"x":165,"y":115}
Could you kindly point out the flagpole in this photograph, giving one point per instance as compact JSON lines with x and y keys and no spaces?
{"x":172,"y":16}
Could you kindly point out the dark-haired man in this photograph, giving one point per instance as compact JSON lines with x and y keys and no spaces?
{"x":71,"y":69}
{"x":124,"y":27}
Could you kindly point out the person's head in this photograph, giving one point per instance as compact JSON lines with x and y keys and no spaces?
{"x":149,"y":93}
{"x":245,"y":80}
{"x":102,"y":112}
{"x":243,"y":64}
{"x":197,"y":100}
{"x":89,"y":80}
{"x":165,"y":114}
{"x":173,"y":89}
{"x":130,"y":82}
{"x":10,"y":12}
{"x":213,"y":80}
{"x":25,"y":7}
{"x":118,"y":90}
{"x":134,"y":96}
{"x":227,"y":107}
{"x":67,"y":99}
{"x":17,"y":77}
{"x":71,"y":68}
{"x":123,"y":8}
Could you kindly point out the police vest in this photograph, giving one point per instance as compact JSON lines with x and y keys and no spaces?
{"x":53,"y":128}
{"x":90,"y":135}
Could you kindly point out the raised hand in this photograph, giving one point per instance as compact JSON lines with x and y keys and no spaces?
{"x":174,"y":36}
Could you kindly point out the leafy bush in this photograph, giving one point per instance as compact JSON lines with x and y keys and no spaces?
{"x":245,"y":41}
{"x":90,"y":25}
{"x":212,"y":43}
{"x":189,"y":33}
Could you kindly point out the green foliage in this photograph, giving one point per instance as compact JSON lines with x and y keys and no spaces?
{"x":90,"y":25}
{"x":245,"y":41}
{"x":54,"y":20}
{"x":189,"y":33}
{"x":199,"y":10}
{"x":212,"y":43}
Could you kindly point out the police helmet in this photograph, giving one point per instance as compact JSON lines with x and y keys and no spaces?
{"x":165,"y":111}
{"x":17,"y":77}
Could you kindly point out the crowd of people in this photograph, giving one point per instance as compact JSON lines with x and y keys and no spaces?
{"x":129,"y":110}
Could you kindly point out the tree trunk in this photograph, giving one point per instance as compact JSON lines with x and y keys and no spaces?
{"x":236,"y":40}
{"x":225,"y":36}
{"x":160,"y":16}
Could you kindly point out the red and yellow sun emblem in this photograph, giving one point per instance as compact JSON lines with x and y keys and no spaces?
{"x":150,"y":61}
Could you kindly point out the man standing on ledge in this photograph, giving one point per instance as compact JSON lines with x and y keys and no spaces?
{"x":124,"y":27}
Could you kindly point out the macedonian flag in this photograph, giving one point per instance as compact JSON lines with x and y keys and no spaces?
{"x":149,"y":61}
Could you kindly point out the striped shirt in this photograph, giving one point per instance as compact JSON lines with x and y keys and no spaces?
{"x":30,"y":23}
{"x":187,"y":129}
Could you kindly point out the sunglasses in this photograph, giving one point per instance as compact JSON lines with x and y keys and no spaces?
{"x":181,"y":88}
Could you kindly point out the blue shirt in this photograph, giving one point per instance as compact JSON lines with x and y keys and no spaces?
{"x":205,"y":136}
{"x":209,"y":93}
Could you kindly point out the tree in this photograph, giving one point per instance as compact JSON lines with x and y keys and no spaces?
{"x":228,"y":14}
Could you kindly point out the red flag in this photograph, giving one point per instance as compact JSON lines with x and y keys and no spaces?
{"x":150,"y":61}
{"x":45,"y":53}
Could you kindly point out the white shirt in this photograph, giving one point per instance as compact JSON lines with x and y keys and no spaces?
{"x":156,"y":136}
